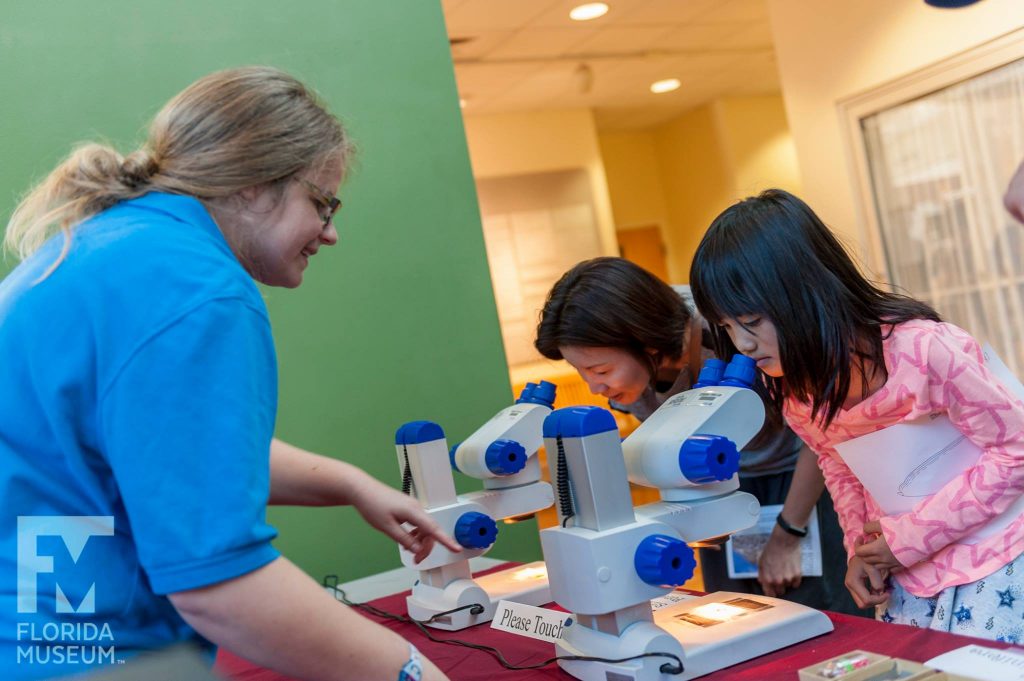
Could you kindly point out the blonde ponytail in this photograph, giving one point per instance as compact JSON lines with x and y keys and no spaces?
{"x":91,"y":179}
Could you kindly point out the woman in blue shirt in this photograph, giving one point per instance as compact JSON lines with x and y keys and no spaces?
{"x":139,"y":393}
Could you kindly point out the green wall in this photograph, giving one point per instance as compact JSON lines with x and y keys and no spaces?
{"x":396,"y":323}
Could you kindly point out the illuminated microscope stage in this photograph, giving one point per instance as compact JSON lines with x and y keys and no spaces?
{"x":716,"y":631}
{"x":522,"y":584}
{"x":725,"y":628}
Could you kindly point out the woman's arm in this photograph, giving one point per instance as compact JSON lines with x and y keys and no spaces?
{"x":301,"y":478}
{"x":779,"y":567}
{"x":805,"y":490}
{"x":279,"y":618}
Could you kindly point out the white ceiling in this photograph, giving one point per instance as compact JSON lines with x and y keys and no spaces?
{"x":527,"y":55}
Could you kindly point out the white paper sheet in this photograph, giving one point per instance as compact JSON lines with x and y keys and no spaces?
{"x":901,"y":465}
{"x":979,"y":662}
{"x":998,"y":367}
{"x":743,"y":549}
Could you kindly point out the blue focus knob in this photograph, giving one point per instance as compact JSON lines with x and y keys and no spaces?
{"x":741,"y":372}
{"x":663,"y":560}
{"x":451,"y":456}
{"x":475,"y":530}
{"x":505,"y":457}
{"x":708,"y":458}
{"x":710,"y":373}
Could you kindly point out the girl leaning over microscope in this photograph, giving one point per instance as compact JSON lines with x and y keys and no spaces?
{"x":843,"y":358}
{"x":638,"y":341}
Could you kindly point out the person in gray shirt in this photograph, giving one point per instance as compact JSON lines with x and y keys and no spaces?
{"x":637,"y":341}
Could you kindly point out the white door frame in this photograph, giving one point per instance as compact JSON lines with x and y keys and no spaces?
{"x":949,"y":71}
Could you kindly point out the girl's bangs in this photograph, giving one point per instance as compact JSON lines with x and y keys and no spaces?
{"x":727,"y":288}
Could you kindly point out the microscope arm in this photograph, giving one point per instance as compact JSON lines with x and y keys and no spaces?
{"x":510,"y":502}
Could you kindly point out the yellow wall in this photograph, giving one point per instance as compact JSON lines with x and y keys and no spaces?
{"x":682,"y":174}
{"x":758,"y":144}
{"x":634,"y":179}
{"x":678,"y":175}
{"x":697,"y":181}
{"x":536,"y":142}
{"x":845,"y":48}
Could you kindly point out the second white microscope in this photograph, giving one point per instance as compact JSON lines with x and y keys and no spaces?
{"x":501,"y":453}
{"x":607,"y":560}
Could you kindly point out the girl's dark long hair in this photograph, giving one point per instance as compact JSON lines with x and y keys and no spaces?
{"x":612,"y":302}
{"x":771,"y":256}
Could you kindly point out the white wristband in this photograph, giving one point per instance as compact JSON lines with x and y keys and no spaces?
{"x":413,"y":669}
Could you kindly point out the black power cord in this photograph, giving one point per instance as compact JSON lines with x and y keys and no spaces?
{"x":406,"y":472}
{"x":331,"y":582}
{"x":565,"y":505}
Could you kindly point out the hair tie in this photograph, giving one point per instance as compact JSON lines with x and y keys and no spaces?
{"x":137,"y":168}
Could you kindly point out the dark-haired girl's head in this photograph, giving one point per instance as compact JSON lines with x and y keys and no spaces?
{"x":771,"y":258}
{"x":615,"y":322}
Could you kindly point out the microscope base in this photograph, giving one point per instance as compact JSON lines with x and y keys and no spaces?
{"x":709,"y":633}
{"x":638,"y":638}
{"x":725,"y":628}
{"x":526,"y":584}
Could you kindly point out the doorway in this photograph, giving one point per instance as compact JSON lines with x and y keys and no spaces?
{"x":644,"y":247}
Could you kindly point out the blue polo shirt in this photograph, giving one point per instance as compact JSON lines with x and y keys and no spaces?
{"x":138,"y":390}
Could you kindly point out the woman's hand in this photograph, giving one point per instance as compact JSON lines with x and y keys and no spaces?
{"x":780,"y":566}
{"x":876,"y":552}
{"x":866,"y":583}
{"x":307,"y":479}
{"x":386,"y":509}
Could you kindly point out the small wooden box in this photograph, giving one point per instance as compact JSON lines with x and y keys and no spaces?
{"x":862,"y":665}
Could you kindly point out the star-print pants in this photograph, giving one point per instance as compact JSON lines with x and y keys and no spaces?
{"x":992,"y":607}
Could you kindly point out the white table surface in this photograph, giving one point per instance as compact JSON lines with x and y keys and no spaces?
{"x":398,"y":580}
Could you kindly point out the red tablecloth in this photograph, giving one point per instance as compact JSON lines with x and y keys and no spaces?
{"x":464,"y":664}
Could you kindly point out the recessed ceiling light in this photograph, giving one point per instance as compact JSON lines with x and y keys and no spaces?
{"x":462,"y":103}
{"x":667,"y":85}
{"x":591,"y":10}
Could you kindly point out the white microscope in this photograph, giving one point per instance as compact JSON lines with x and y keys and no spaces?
{"x":502,"y":453}
{"x":607,"y":560}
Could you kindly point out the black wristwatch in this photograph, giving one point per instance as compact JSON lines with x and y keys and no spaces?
{"x":795,"y":531}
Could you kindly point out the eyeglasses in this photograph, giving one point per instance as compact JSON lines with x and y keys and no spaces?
{"x":327,"y":204}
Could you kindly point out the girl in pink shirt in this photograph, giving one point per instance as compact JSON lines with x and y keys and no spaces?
{"x":844,"y":358}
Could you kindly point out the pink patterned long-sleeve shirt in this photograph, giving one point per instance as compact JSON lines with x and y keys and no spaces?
{"x":932,"y":368}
